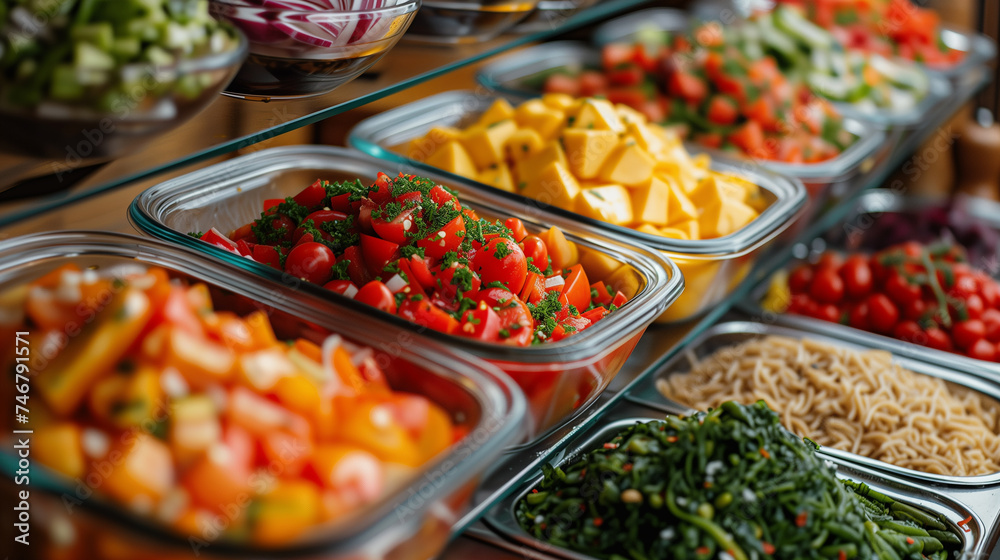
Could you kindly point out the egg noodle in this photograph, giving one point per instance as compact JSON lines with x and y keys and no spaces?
{"x":858,"y":401}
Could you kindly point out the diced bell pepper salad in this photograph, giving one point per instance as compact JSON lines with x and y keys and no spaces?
{"x":186,"y":414}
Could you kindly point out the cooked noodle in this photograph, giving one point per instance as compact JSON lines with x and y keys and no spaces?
{"x":856,"y":401}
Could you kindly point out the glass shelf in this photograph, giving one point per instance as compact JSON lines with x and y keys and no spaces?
{"x":230,"y":124}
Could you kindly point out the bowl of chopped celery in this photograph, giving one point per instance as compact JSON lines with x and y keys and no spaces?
{"x":94,"y":79}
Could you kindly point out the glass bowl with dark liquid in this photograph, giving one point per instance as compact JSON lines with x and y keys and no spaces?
{"x":302,"y":48}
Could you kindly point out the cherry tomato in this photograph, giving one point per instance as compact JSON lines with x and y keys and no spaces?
{"x":991,"y":319}
{"x":397,"y":228}
{"x":501,"y":260}
{"x":912,"y":249}
{"x":827,"y":286}
{"x":965,"y":286}
{"x":377,"y":295}
{"x":882,"y":313}
{"x":312,"y":195}
{"x":990,"y":292}
{"x":800,"y":278}
{"x":343,"y":287}
{"x":938,"y":339}
{"x":827,"y":312}
{"x":915,"y":309}
{"x":378,"y":253}
{"x":380,"y":191}
{"x":423,"y":313}
{"x":799,"y":304}
{"x":441,"y":196}
{"x":516,"y":227}
{"x":909,"y":331}
{"x":829,"y":260}
{"x":857,"y":277}
{"x":446,"y":288}
{"x":481,"y":323}
{"x":983,"y":349}
{"x":515,"y":316}
{"x":444,"y":240}
{"x":536,"y":251}
{"x":900,"y":290}
{"x":966,"y":333}
{"x":321,"y":217}
{"x":312,"y":262}
{"x":974,"y":306}
{"x":858,"y":317}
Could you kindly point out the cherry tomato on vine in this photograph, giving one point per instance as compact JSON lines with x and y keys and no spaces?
{"x":312,"y":262}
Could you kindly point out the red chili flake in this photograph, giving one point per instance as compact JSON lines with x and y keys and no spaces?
{"x":598,"y":522}
{"x":702,"y":550}
{"x":801,"y":519}
{"x":627,"y":467}
{"x":543,"y":526}
{"x":909,"y":540}
{"x":708,"y":484}
{"x":768,"y":547}
{"x":964,"y":524}
{"x":663,"y":427}
{"x":583,"y":473}
{"x":534,"y":490}
{"x":764,"y":453}
{"x":610,"y":446}
{"x":841,"y":555}
{"x":671,"y":439}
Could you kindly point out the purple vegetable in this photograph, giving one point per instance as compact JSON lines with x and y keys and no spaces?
{"x":304,"y":35}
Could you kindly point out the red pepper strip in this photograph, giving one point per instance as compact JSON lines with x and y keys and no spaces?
{"x":964,"y":524}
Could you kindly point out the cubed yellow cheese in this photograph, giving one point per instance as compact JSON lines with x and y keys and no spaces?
{"x":497,"y":176}
{"x":628,"y":165}
{"x":559,"y":101}
{"x":421,"y":148}
{"x":598,"y":265}
{"x":523,"y":143}
{"x":702,"y":161}
{"x":608,"y":203}
{"x":629,"y":115}
{"x":538,"y":116}
{"x":598,"y":114}
{"x":453,"y":157}
{"x":587,"y":150}
{"x":529,"y":168}
{"x":553,"y":185}
{"x":680,"y":208}
{"x":651,"y":203}
{"x":674,"y":233}
{"x":500,"y":110}
{"x":689,"y":227}
{"x":646,"y":139}
{"x":745,"y":191}
{"x":485,"y":144}
{"x":725,"y":217}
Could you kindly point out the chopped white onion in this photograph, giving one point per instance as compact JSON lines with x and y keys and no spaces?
{"x":554,"y":281}
{"x":396,"y":283}
{"x":351,"y":291}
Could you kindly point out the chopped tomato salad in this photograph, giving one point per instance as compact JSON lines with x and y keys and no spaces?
{"x":407,"y":246}
{"x":888,"y":27}
{"x":186,"y":414}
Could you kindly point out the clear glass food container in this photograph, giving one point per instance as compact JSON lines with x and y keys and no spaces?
{"x":550,"y":14}
{"x":559,"y":379}
{"x":461,"y":22}
{"x":712,"y":268}
{"x":69,"y":520}
{"x":861,"y":230}
{"x":963,"y":519}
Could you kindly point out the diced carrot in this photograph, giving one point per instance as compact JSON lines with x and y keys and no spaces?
{"x":309,"y":349}
{"x":260,"y":329}
{"x":58,"y":447}
{"x":144,"y":473}
{"x":371,"y":425}
{"x":221,"y":477}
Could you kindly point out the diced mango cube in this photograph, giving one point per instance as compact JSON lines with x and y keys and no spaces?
{"x":560,"y":101}
{"x":651,"y":203}
{"x":648,"y":228}
{"x":598,"y":114}
{"x":629,"y":115}
{"x":587,"y":150}
{"x":608,"y":203}
{"x":629,"y":165}
{"x":497,"y":176}
{"x":681,"y":208}
{"x":725,"y":217}
{"x":529,"y":168}
{"x":646,"y":138}
{"x":708,"y":192}
{"x":674,"y":233}
{"x":500,"y":110}
{"x":523,"y":143}
{"x":536,"y":115}
{"x":421,"y":148}
{"x":553,"y":185}
{"x":453,"y":157}
{"x":485,"y":144}
{"x":626,"y":280}
{"x":689,"y":227}
{"x":597,"y":264}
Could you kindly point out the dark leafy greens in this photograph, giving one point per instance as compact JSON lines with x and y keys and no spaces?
{"x":729,"y":484}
